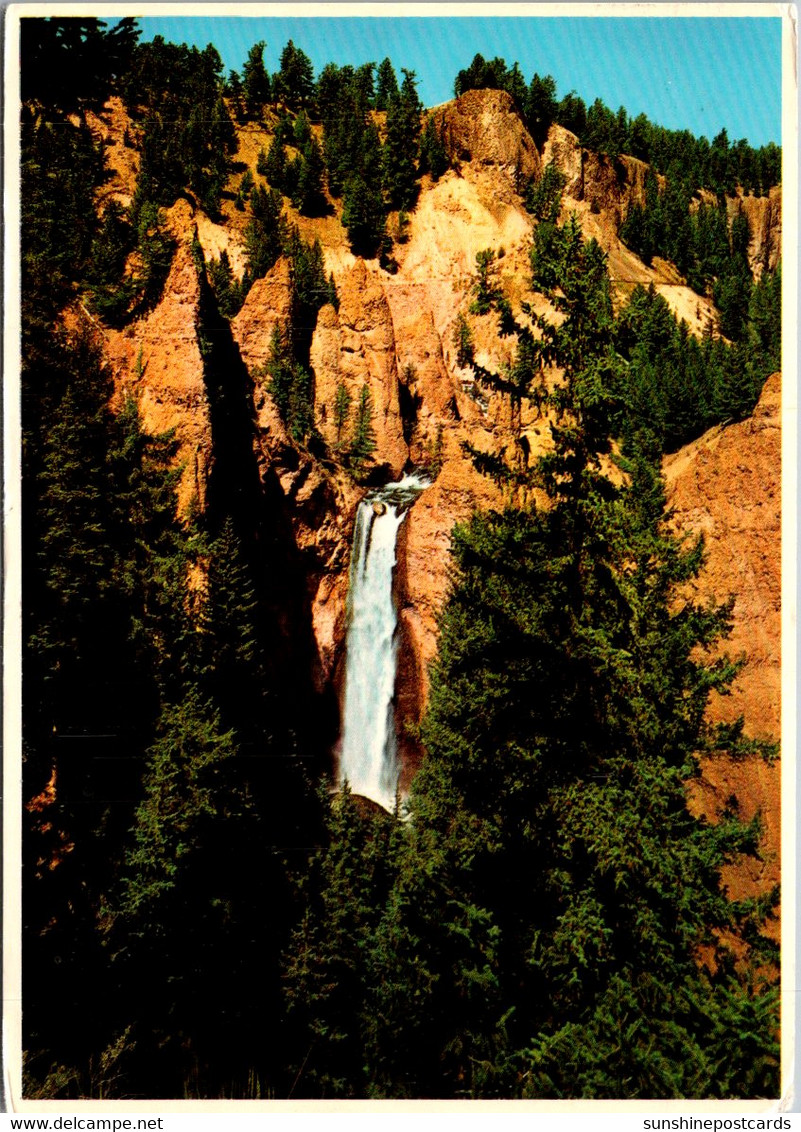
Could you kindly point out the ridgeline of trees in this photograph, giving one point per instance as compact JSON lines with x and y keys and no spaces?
{"x":719,"y":166}
{"x":237,"y":932}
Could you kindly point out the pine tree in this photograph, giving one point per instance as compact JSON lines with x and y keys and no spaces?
{"x":235,"y":92}
{"x":566,"y":709}
{"x":362,"y":443}
{"x":400,"y":150}
{"x":540,"y":108}
{"x":273,"y":167}
{"x":265,"y":231}
{"x":342,"y":403}
{"x":386,"y":86}
{"x":294,"y":83}
{"x":309,"y":195}
{"x":544,"y":199}
{"x":328,"y":984}
{"x":363,"y":215}
{"x":184,"y":913}
{"x":255,"y":81}
{"x":433,"y":154}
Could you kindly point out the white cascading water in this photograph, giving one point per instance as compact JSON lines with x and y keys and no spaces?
{"x":369,"y":759}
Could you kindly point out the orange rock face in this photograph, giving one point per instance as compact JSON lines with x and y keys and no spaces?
{"x":484,"y":127}
{"x":727,"y":486}
{"x":394,"y":334}
{"x":158,"y":360}
{"x":356,"y":348}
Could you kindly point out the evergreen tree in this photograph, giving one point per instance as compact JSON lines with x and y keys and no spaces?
{"x":400,"y":150}
{"x":186,"y":912}
{"x":485,"y":287}
{"x":294,"y":83}
{"x":572,"y":114}
{"x":342,"y":403}
{"x":265,"y":231}
{"x":363,"y":215}
{"x":256,"y":89}
{"x":228,"y":291}
{"x":540,"y":108}
{"x":566,"y":708}
{"x":544,"y":200}
{"x":433,"y":154}
{"x":273,"y":167}
{"x":327,"y":986}
{"x":243,"y":192}
{"x":235,"y":92}
{"x":362,"y":443}
{"x":73,"y":63}
{"x":111,"y":293}
{"x":291,"y":386}
{"x":386,"y":85}
{"x":309,"y":194}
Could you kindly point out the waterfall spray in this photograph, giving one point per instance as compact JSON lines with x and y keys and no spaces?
{"x":369,"y":759}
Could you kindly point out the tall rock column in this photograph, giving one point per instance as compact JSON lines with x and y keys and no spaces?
{"x":158,"y":360}
{"x":355,"y":348}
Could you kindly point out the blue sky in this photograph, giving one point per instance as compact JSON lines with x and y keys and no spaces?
{"x":698,"y":73}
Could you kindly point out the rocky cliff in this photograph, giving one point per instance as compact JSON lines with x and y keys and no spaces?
{"x":393,"y":333}
{"x":726,"y":486}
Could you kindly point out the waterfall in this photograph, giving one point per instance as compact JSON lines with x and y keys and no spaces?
{"x":369,"y":759}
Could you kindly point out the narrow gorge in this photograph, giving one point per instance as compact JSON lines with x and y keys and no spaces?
{"x":402,"y":605}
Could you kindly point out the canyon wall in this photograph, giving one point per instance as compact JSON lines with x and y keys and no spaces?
{"x":393,"y":333}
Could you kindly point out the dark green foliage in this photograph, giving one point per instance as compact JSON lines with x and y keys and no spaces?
{"x":311,"y":288}
{"x":188,"y":134}
{"x":256,"y":89}
{"x":677,"y":386}
{"x":494,"y":75}
{"x":540,"y":108}
{"x":294,"y":83}
{"x":234,"y":91}
{"x":732,"y":289}
{"x":463,"y":341}
{"x":399,"y":155}
{"x":350,"y":140}
{"x":73,"y":62}
{"x":155,"y":249}
{"x":544,"y":199}
{"x":102,"y":557}
{"x":363,"y":213}
{"x":386,"y":85}
{"x":229,"y":292}
{"x":308,"y":195}
{"x":362,"y":443}
{"x":328,"y":979}
{"x":572,"y":114}
{"x":273,"y":165}
{"x":290,"y":378}
{"x":485,"y":287}
{"x":600,"y":132}
{"x":301,"y":130}
{"x":433,"y":154}
{"x":111,"y":294}
{"x":60,"y":167}
{"x":291,"y":386}
{"x":265,"y":233}
{"x":711,"y":255}
{"x":243,"y":192}
{"x":187,"y":928}
{"x":342,"y":403}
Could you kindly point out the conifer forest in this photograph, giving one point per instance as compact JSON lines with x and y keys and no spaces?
{"x":372,"y":688}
